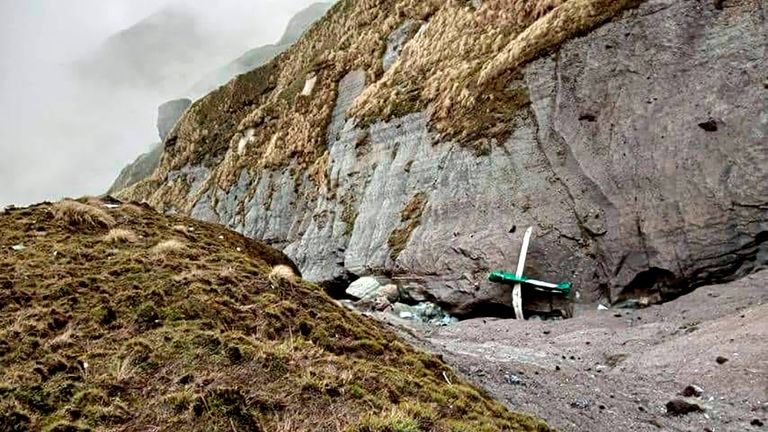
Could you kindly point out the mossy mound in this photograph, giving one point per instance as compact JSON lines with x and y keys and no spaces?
{"x":159,"y":323}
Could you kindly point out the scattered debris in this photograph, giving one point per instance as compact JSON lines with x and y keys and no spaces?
{"x":19,"y":247}
{"x":425,"y":312}
{"x":682,"y":407}
{"x":581,"y":403}
{"x":709,"y":125}
{"x":692,"y":391}
{"x":513,"y":379}
{"x":517,"y":280}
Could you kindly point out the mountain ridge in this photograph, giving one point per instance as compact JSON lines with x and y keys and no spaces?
{"x":493,"y":117}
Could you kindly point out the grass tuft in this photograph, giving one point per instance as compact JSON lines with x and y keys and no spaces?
{"x":224,"y":336}
{"x":119,"y":235}
{"x":168,"y":248}
{"x":78,"y":215}
{"x":282,"y":273}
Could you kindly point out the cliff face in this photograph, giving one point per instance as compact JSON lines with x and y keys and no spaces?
{"x":169,"y":113}
{"x":638,"y":151}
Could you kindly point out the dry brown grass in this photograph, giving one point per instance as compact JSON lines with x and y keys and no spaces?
{"x":120,"y":235}
{"x":463,"y":68}
{"x":104,"y":338}
{"x":282,"y":273}
{"x":76,"y":214}
{"x":571,"y":18}
{"x":169,"y":248}
{"x":133,"y":209}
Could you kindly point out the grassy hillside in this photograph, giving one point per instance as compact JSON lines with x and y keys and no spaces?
{"x":462,"y":66}
{"x":125,"y":319}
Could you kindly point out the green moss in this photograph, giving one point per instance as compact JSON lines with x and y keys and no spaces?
{"x":203,"y":343}
{"x":349,"y":214}
{"x":410,"y":218}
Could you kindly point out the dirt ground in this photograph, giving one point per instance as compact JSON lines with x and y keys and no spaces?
{"x":615,"y":370}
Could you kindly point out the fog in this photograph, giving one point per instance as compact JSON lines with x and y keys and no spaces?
{"x":77,"y":104}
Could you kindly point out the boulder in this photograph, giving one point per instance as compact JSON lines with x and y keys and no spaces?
{"x":389,"y":292}
{"x":364,"y":288}
{"x":679,"y":407}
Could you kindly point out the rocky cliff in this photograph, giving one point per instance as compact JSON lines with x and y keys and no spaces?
{"x":419,"y":139}
{"x":169,"y":113}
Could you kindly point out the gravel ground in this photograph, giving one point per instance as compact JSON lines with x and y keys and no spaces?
{"x":616,"y":370}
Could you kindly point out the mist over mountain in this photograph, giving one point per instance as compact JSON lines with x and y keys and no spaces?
{"x":157,"y":54}
{"x":261,"y":55}
{"x":79,"y":95}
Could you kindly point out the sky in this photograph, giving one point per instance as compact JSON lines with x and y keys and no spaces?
{"x":64,"y":135}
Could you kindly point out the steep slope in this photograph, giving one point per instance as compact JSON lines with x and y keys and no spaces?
{"x":418,"y":139}
{"x":115,"y":317}
{"x":170,"y":112}
{"x":260,"y":56}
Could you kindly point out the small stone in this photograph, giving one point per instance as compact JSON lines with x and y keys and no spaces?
{"x":618,"y":315}
{"x":600,"y":368}
{"x":709,"y":125}
{"x":757,"y":422}
{"x":390,"y":292}
{"x":513,"y":379}
{"x":721,"y":360}
{"x":692,"y":391}
{"x":406,"y":315}
{"x":679,"y":407}
{"x":557,"y":368}
{"x":581,"y":403}
{"x":601,"y":307}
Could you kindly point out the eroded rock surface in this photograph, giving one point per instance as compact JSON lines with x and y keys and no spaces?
{"x":609,"y":162}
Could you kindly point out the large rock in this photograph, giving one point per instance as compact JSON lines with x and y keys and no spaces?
{"x":364,"y":288}
{"x":641,"y":162}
